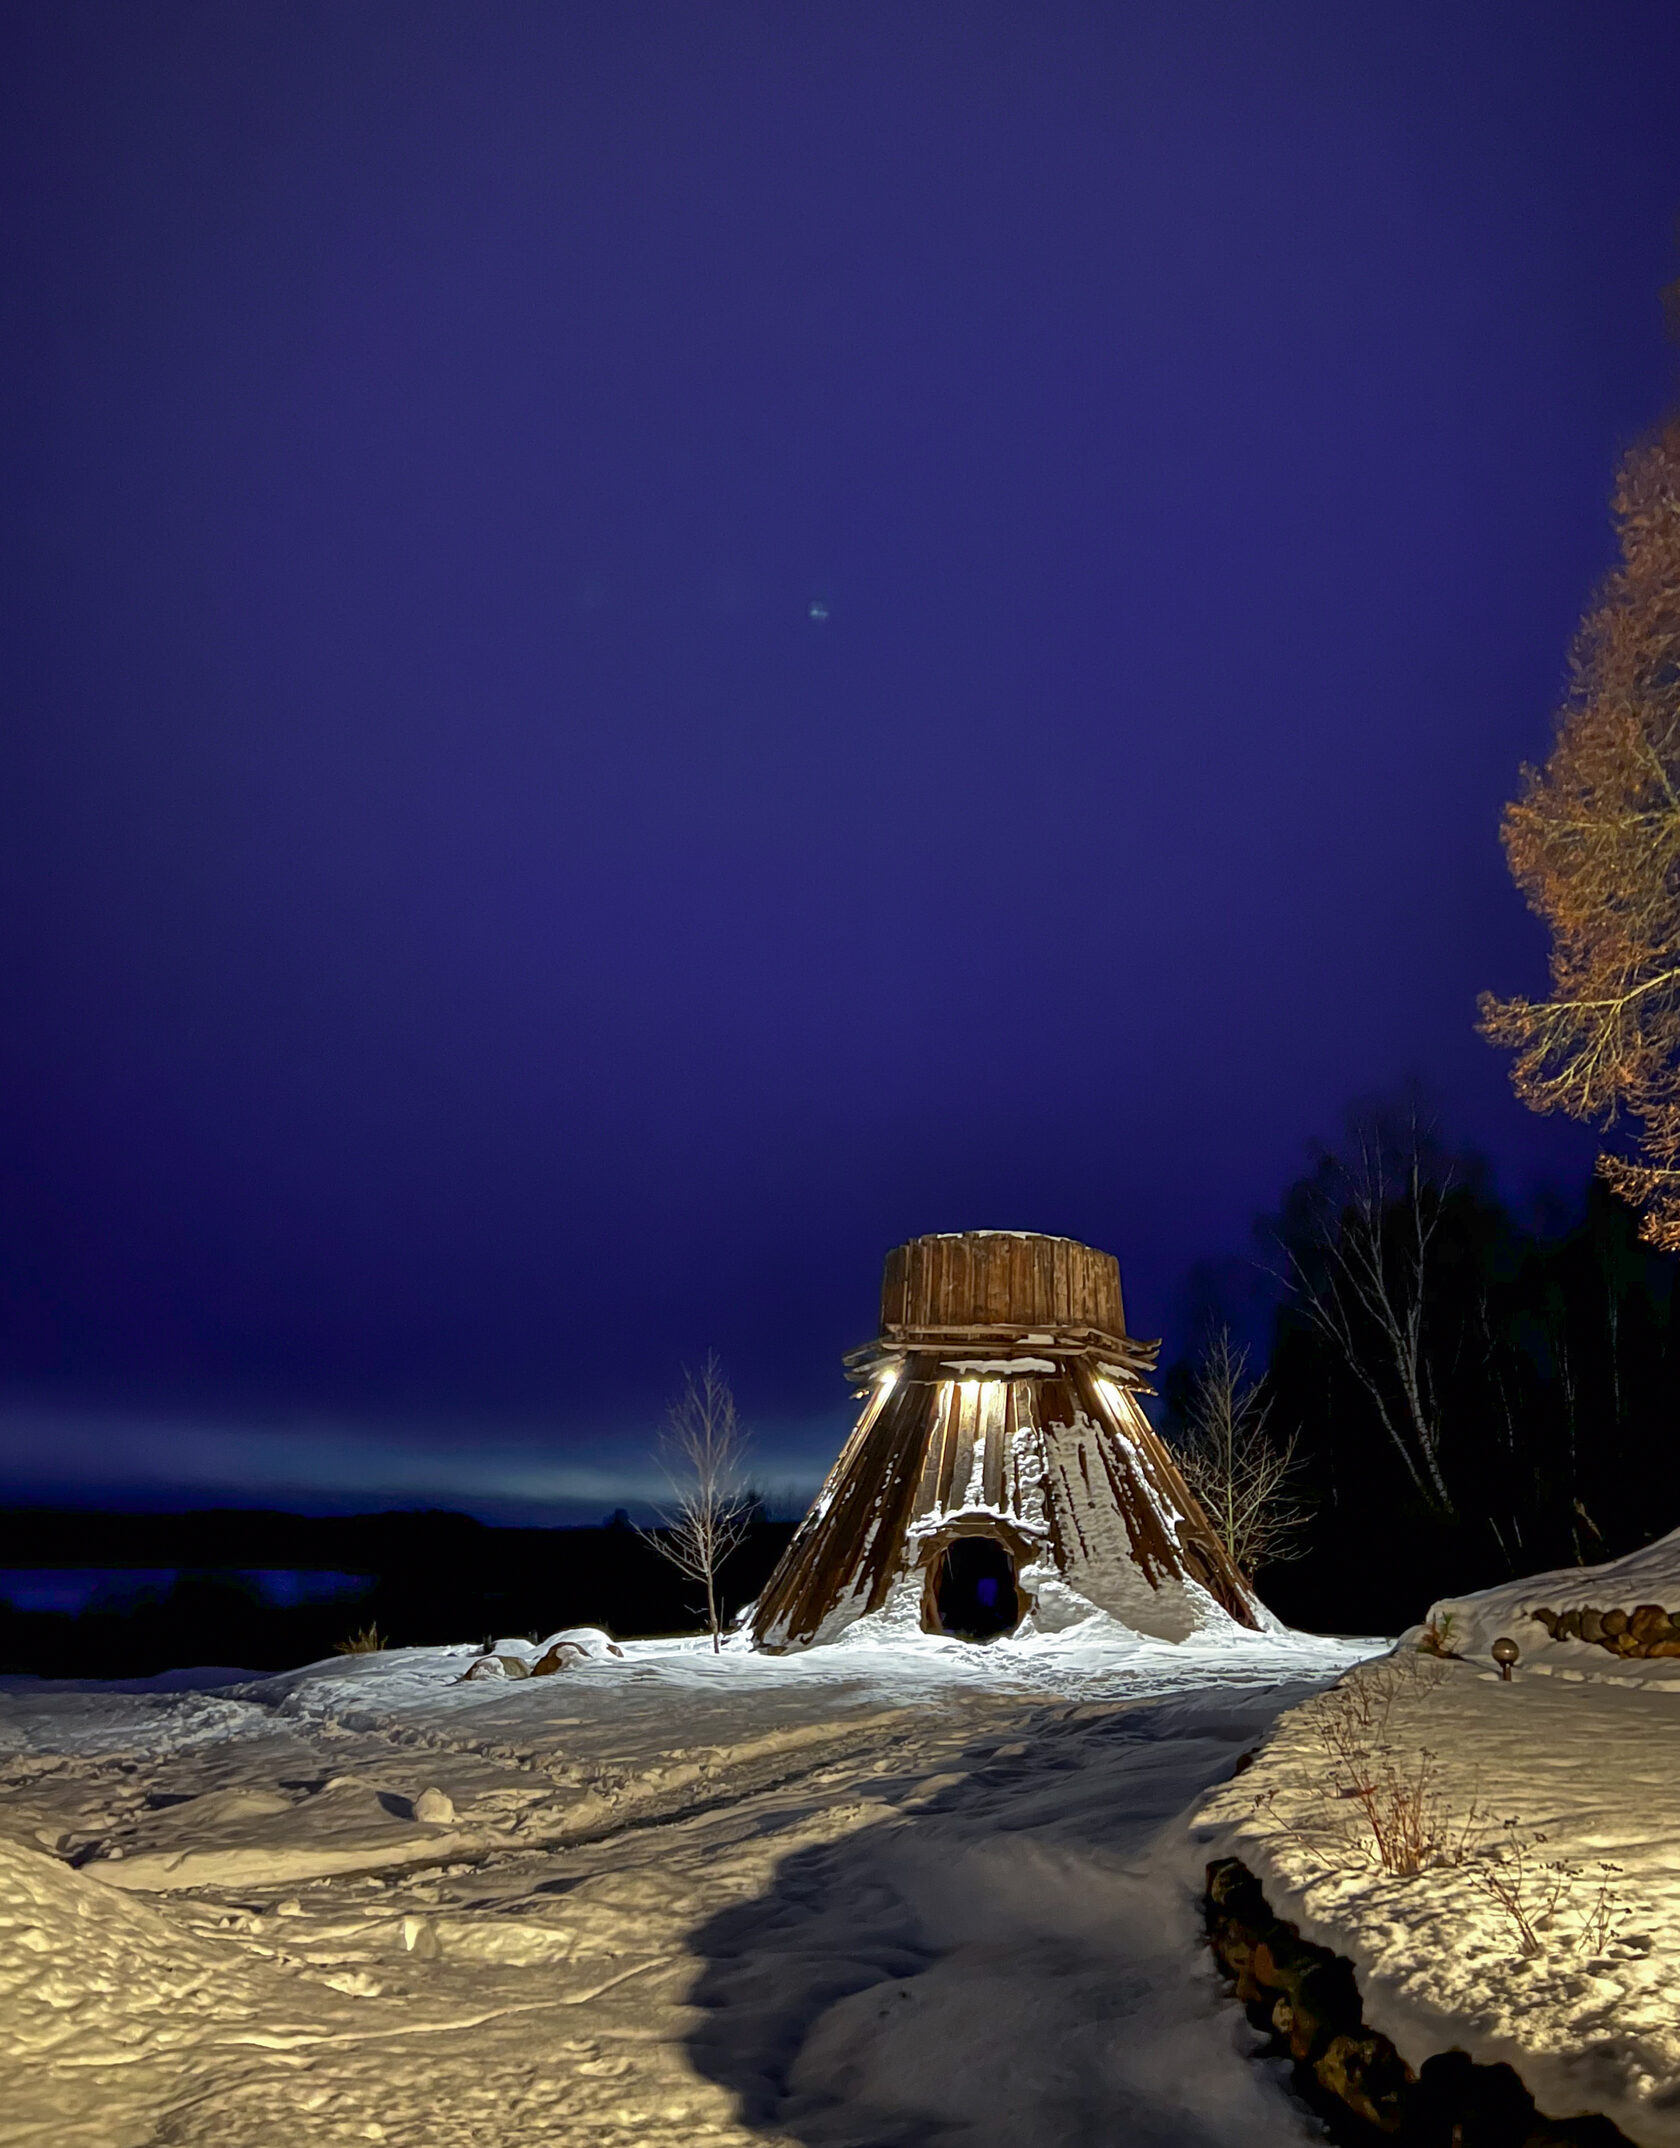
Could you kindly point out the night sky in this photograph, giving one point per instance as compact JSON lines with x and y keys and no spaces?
{"x":647,"y":648}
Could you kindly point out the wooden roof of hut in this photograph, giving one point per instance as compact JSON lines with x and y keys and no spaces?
{"x":1002,"y":1473}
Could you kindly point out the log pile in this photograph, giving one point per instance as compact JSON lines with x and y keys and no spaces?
{"x":1646,"y":1630}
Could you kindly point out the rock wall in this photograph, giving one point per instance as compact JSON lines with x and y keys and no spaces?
{"x":1306,"y":1999}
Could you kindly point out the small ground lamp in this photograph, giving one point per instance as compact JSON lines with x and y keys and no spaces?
{"x":1505,"y":1653}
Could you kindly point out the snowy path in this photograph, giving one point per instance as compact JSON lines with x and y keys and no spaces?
{"x":1008,"y":1955}
{"x":903,"y":1898}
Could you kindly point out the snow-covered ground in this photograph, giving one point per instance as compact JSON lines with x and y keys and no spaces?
{"x":909,"y":1891}
{"x":1551,"y":1802}
{"x":1471,"y":1624}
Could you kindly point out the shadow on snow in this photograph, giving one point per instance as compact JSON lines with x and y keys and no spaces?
{"x":1010,"y":1955}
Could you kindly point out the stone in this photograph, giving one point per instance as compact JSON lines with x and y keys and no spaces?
{"x":435,"y":1808}
{"x":1318,"y":1992}
{"x":1546,"y":1618}
{"x":1591,"y":1627}
{"x":563,"y":1656}
{"x":1484,"y":2105}
{"x":1368,"y":2075}
{"x":1590,"y":2131}
{"x":1664,"y":1648}
{"x":1234,"y":1941}
{"x":1239,"y":1960}
{"x":1266,"y":1967}
{"x":1300,"y":2024}
{"x":1233,"y":1888}
{"x":1649,"y":1621}
{"x":497,"y":1667}
{"x":1614,"y":1623}
{"x":1326,"y":2001}
{"x":1310,"y":2000}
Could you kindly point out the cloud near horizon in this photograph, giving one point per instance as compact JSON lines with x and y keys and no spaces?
{"x":106,"y":1458}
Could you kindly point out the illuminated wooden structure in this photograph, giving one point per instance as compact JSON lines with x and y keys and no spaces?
{"x":1001,"y":1473}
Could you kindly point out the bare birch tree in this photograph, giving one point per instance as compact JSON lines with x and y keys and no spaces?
{"x":1234,"y":1463}
{"x":702,"y":1451}
{"x":1359,"y":1272}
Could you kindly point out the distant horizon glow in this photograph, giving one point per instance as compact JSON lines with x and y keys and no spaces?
{"x":147,"y":1464}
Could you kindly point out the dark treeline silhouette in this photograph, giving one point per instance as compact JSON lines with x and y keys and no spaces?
{"x":423,"y":1578}
{"x":1474,"y":1397}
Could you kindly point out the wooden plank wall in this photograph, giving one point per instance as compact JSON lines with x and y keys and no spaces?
{"x":856,"y":1541}
{"x":975,"y":1277}
{"x":1200,"y":1554}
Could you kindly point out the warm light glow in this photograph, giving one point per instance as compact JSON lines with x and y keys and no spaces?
{"x":970,"y":1394}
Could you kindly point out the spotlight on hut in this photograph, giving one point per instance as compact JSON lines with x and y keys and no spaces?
{"x":1505,"y":1653}
{"x":1002,"y":1470}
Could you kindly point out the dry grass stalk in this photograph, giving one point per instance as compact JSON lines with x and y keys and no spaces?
{"x":1534,"y":1893}
{"x":1436,"y":1638}
{"x":1395,"y":1791}
{"x":1528,"y":1889}
{"x":1379,"y":1799}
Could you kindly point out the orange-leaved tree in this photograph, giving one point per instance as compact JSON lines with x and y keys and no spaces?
{"x":1594,"y":843}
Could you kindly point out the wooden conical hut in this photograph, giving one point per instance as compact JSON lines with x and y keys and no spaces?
{"x":1002,"y":1474}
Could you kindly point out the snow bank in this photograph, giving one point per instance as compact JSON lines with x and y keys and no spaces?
{"x":1066,"y":1629}
{"x":94,"y":1988}
{"x":1563,"y":1797}
{"x":1471,"y":1624}
{"x":195,"y":1678}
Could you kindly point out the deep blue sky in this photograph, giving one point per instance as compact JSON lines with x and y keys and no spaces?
{"x":649,"y":647}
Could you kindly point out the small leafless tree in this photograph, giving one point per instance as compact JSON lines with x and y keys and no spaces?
{"x":702,"y":1451}
{"x":1235,"y":1465}
{"x":1358,"y":1266}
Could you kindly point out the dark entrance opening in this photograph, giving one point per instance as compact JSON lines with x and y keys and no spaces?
{"x":974,"y":1593}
